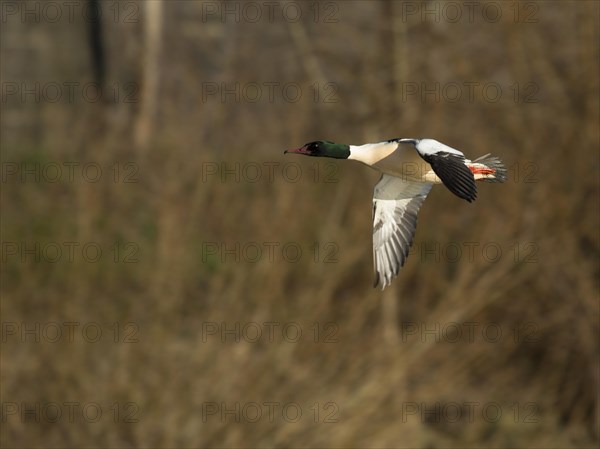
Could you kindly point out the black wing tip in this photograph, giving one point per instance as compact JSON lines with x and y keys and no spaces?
{"x":455,"y":175}
{"x":463,"y":188}
{"x":462,"y":184}
{"x":470,"y":197}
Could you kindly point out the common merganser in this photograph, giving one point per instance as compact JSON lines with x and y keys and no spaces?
{"x":407,"y":178}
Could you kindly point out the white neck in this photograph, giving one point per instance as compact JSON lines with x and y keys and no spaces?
{"x":371,"y":153}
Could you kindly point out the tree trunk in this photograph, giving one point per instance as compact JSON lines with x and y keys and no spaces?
{"x":149,"y":92}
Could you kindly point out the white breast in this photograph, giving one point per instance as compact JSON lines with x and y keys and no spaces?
{"x":401,"y":161}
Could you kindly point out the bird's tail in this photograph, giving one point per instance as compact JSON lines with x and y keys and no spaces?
{"x":488,"y":169}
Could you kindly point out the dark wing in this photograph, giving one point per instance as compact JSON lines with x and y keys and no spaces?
{"x":396,"y":203}
{"x":454,"y":173}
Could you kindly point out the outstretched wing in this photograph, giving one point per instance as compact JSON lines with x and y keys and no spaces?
{"x":396,"y":203}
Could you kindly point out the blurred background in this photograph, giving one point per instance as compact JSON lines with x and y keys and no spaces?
{"x":170,"y":279}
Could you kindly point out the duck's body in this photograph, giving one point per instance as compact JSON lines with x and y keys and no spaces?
{"x":392,"y":159}
{"x":409,"y":167}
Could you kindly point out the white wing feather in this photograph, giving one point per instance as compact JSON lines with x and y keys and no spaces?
{"x":396,"y":203}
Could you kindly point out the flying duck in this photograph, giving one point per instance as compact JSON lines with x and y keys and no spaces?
{"x":409,"y":169}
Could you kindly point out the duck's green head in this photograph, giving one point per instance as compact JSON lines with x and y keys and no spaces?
{"x":323,"y":148}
